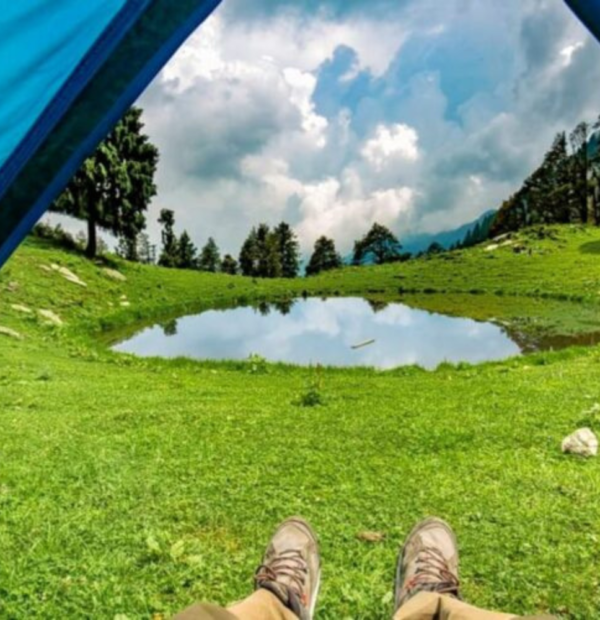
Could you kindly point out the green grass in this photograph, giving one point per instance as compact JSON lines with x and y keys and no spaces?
{"x":135,"y":486}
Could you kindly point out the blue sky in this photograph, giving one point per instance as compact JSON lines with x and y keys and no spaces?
{"x":420,"y":114}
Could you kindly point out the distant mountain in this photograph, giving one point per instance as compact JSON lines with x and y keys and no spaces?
{"x":446,"y":238}
{"x":414,"y":244}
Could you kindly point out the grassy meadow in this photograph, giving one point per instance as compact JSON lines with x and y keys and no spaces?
{"x":131,"y":487}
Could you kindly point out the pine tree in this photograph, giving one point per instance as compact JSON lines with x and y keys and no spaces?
{"x":249,"y":255}
{"x":324,"y":257}
{"x":479,"y":233}
{"x":169,"y":255}
{"x":289,"y":250}
{"x":229,"y":265}
{"x":272,"y":257}
{"x":546,"y":196}
{"x":594,"y":175}
{"x":145,"y":249}
{"x":186,"y":252}
{"x":261,"y":256}
{"x":579,"y":170}
{"x":210,"y":258}
{"x":114,"y":186}
{"x":558,"y":181}
{"x":265,"y":250}
{"x":380,"y":243}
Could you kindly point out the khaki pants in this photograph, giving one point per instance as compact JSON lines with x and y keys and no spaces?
{"x":262,"y":605}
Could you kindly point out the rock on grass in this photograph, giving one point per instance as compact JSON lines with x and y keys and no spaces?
{"x":582,"y":442}
{"x":67,"y":274}
{"x":11,"y":333}
{"x":113,"y":274}
{"x":51,"y":318}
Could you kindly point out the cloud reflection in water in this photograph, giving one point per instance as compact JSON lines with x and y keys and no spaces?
{"x":324,"y":331}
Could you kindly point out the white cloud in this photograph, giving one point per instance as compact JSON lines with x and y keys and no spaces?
{"x":240,"y":136}
{"x":396,"y":314}
{"x":298,"y":41}
{"x":391,"y":143}
{"x":247,"y":135}
{"x":328,"y":209}
{"x":302,"y":85}
{"x":568,"y":51}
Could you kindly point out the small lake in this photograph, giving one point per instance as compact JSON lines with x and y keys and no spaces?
{"x":336,"y":331}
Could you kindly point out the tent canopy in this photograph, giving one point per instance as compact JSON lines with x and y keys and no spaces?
{"x":68,"y":72}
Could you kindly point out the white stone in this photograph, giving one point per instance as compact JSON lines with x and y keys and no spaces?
{"x":492,"y":247}
{"x":125,"y":304}
{"x":67,"y":274}
{"x":114,"y":274}
{"x":11,"y":333}
{"x":75,"y":280}
{"x":51,"y":317}
{"x":20,"y":308}
{"x":582,"y":442}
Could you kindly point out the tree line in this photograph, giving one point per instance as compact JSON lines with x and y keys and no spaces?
{"x":273,"y":252}
{"x":181,"y":253}
{"x":113,"y":189}
{"x":565,"y":188}
{"x":265,"y":253}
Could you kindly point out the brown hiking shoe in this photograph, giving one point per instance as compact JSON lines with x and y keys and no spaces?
{"x":291,"y":567}
{"x":428,"y":562}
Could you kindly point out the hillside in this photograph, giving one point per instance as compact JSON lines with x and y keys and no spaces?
{"x":447,"y":238}
{"x":134,"y":486}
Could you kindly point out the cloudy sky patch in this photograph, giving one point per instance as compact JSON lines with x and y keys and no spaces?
{"x":331,"y":115}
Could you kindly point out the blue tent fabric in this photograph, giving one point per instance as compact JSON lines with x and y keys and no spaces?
{"x":588,"y":12}
{"x":77,"y":92}
{"x":69,"y":69}
{"x":44,"y":43}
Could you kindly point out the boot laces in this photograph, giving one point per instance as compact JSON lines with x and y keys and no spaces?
{"x":433,"y":574}
{"x":287,"y":569}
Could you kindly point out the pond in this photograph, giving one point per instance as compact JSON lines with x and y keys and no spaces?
{"x":336,"y":331}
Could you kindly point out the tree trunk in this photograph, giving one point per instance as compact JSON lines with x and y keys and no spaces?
{"x":92,"y":243}
{"x":591,"y":208}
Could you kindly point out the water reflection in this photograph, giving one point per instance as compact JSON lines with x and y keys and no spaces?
{"x":169,"y":328}
{"x":310,"y":331}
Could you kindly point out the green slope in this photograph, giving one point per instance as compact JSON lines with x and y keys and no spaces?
{"x":136,"y":486}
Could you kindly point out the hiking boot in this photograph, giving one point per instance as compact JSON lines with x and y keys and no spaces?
{"x":291,"y":567}
{"x":428,"y":562}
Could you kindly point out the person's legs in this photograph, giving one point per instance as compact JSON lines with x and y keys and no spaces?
{"x":432,"y":606}
{"x":427,"y":586}
{"x":261,"y":604}
{"x":287,"y":581}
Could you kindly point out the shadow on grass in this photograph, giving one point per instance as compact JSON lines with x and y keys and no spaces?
{"x":104,"y":260}
{"x":592,"y":247}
